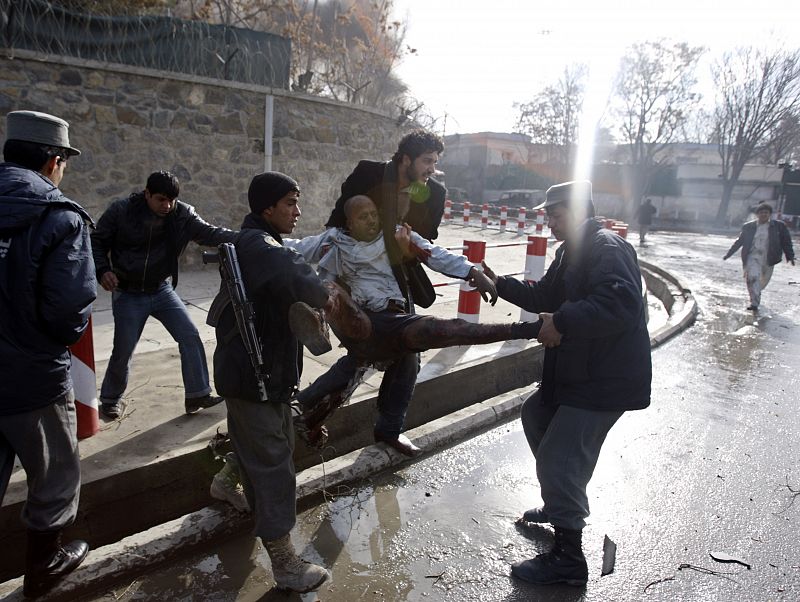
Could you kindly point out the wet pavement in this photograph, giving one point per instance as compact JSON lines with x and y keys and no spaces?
{"x":710,"y":467}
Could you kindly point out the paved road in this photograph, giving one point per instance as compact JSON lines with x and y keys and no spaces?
{"x":711,"y":466}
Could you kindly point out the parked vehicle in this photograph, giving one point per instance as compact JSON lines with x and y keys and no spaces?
{"x":520,"y":198}
{"x":457,"y":195}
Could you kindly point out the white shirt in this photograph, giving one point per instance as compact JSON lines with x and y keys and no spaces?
{"x":365,"y":267}
{"x":758,"y":250}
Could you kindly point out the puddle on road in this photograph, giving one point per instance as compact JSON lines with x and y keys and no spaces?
{"x":402,"y":536}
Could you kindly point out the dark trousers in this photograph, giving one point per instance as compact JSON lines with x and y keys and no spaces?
{"x":566,"y":443}
{"x":45,"y":442}
{"x":394,"y":396}
{"x":262,"y":434}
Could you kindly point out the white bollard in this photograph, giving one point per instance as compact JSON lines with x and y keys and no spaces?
{"x":534,"y":268}
{"x":469,"y":299}
{"x":540,"y":213}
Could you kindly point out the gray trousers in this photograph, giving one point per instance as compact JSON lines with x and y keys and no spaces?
{"x":757,"y":275}
{"x":262,"y":434}
{"x":566,"y":443}
{"x":46,"y":443}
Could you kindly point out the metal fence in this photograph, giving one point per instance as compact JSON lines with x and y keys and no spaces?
{"x":154,"y":42}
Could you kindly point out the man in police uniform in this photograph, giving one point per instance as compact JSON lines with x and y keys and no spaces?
{"x":46,"y":292}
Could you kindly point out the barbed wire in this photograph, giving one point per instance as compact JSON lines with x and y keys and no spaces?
{"x":151,"y":41}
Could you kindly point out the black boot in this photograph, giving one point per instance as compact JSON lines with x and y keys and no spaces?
{"x":565,"y":563}
{"x":47,"y":561}
{"x":534,"y":515}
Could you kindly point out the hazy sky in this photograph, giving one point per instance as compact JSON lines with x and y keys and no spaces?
{"x":475,"y":58}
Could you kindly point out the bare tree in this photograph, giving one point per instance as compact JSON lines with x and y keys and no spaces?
{"x":344,"y":49}
{"x":654,"y":91}
{"x":757,"y":90}
{"x":360,"y":50}
{"x":783,"y":142}
{"x":553,"y":116}
{"x":698,"y":127}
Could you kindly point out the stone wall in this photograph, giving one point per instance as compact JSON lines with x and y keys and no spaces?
{"x":129,"y":122}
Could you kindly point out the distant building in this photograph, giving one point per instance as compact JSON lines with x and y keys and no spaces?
{"x":485,"y":163}
{"x":688,"y":189}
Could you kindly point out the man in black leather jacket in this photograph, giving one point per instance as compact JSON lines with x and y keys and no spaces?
{"x":46,"y":292}
{"x":596,"y":367}
{"x":136,"y":248}
{"x":404,"y":192}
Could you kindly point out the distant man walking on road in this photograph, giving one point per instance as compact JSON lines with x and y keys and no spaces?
{"x":596,"y":366}
{"x":644,"y":216}
{"x":763,"y":242}
{"x":46,"y":292}
{"x":136,"y":248}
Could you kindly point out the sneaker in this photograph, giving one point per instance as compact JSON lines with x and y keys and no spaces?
{"x":193,"y":404}
{"x":309,"y":328}
{"x":226,"y":487}
{"x":112,"y":409}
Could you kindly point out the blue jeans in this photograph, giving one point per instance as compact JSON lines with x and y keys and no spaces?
{"x":131,"y":311}
{"x":397,"y":387}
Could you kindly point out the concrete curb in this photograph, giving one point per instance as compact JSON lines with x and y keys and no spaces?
{"x":683,"y":308}
{"x":145,"y":551}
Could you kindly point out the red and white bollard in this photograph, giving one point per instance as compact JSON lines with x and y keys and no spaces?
{"x":609,"y":223}
{"x":84,"y":382}
{"x":521,"y":221}
{"x":620,"y":228}
{"x":466,"y":213}
{"x":503,"y":218}
{"x":540,"y":213}
{"x":469,"y":299}
{"x":485,"y":216}
{"x":448,"y":209}
{"x":534,"y":268}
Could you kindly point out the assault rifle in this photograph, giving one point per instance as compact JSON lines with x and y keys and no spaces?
{"x":242,"y":309}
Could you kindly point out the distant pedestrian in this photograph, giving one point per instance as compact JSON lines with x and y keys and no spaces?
{"x":136,"y":248}
{"x":46,"y":292}
{"x":763,"y":242}
{"x":596,"y":367}
{"x":644,"y":217}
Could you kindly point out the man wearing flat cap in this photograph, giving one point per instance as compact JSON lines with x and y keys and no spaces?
{"x":596,"y":366}
{"x":46,"y":292}
{"x":262,"y":432}
{"x":136,"y":247}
